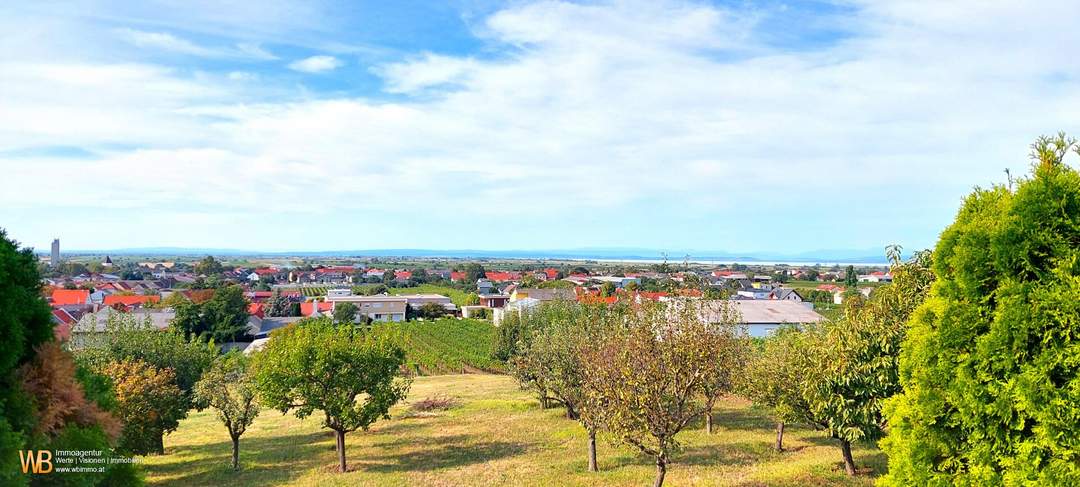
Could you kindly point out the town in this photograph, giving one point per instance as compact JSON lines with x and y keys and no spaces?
{"x":83,"y":291}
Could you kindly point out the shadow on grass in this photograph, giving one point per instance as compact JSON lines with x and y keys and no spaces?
{"x":263,"y":460}
{"x":739,"y":419}
{"x":705,"y":455}
{"x":402,"y":426}
{"x":450,"y":455}
{"x":399,"y":441}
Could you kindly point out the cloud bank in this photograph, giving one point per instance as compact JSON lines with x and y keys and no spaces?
{"x":626,"y":123}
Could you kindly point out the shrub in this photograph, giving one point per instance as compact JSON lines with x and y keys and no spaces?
{"x":438,"y":402}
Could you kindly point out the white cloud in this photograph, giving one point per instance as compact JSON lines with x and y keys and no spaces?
{"x":255,"y":51}
{"x":430,"y":70}
{"x":575,"y":111}
{"x":165,"y":41}
{"x":242,"y":76}
{"x":316,"y":64}
{"x":169,"y":42}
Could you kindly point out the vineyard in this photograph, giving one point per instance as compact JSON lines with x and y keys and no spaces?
{"x":309,"y":291}
{"x":456,"y":296}
{"x":446,"y":345}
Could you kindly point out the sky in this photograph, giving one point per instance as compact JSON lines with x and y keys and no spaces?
{"x":742,"y":126}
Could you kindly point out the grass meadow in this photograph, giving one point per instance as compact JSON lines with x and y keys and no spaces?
{"x":494,"y":435}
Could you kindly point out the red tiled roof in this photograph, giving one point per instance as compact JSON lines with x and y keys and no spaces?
{"x":255,"y":309}
{"x":264,"y":272}
{"x":552,"y":273}
{"x":306,"y":308}
{"x":259,"y":296}
{"x":457,"y":276}
{"x":403,"y":275}
{"x":502,"y":276}
{"x":70,"y":296}
{"x":63,"y":316}
{"x":596,"y":298}
{"x":828,"y":287}
{"x":655,"y":296}
{"x":198,"y":295}
{"x":114,"y":299}
{"x":62,"y":330}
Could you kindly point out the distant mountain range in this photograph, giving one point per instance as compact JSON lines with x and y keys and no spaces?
{"x":861,"y":256}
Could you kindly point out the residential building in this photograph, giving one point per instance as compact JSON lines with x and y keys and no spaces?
{"x":877,"y":276}
{"x":753,"y":293}
{"x":491,"y":300}
{"x":261,"y":327}
{"x":92,"y":323}
{"x":129,"y":302}
{"x":544,"y":294}
{"x":761,"y":318}
{"x":70,"y":296}
{"x":619,"y":282}
{"x":519,"y":306}
{"x":786,"y":294}
{"x":378,"y":308}
{"x":415,"y":301}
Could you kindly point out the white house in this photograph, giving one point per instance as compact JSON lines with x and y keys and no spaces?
{"x":761,"y":318}
{"x":378,"y":308}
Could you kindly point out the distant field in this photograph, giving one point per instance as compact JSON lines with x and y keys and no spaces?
{"x":497,"y":435}
{"x":448,"y":345}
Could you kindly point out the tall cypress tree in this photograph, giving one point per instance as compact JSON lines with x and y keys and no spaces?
{"x":990,"y":368}
{"x":25,"y":322}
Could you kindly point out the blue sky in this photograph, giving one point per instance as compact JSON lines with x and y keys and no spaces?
{"x":740,"y":126}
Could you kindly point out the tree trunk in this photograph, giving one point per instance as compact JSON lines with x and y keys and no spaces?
{"x":708,"y":421}
{"x":236,"y":453}
{"x":159,"y":447}
{"x":780,"y":436}
{"x":661,"y":470}
{"x":849,"y":463}
{"x":592,"y":451}
{"x":340,"y":435}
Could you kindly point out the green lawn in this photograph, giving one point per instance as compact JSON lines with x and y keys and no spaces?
{"x":497,"y":435}
{"x":829,"y":310}
{"x":447,"y":345}
{"x":457,"y":296}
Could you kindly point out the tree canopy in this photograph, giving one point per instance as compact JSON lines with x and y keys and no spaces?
{"x":222,"y":318}
{"x":648,"y":375}
{"x":229,"y":388}
{"x":855,"y":360}
{"x":349,"y":375}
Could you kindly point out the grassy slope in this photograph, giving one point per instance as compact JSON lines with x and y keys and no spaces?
{"x":448,"y":345}
{"x":496,"y":436}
